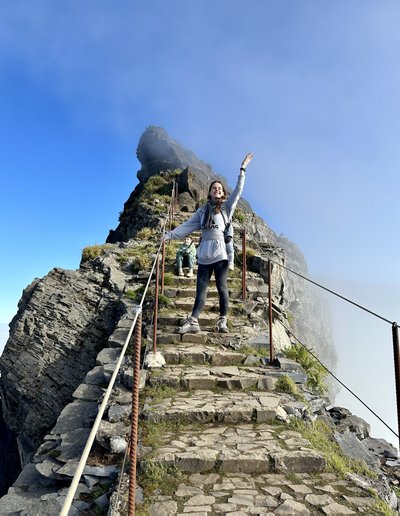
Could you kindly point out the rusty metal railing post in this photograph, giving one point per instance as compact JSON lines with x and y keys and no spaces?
{"x":176,"y":192}
{"x":156,"y":305}
{"x":396,"y":355}
{"x":244,"y":265}
{"x":173,"y":201}
{"x":170,"y":217}
{"x":162,"y":266}
{"x":134,"y":417}
{"x":271,"y":343}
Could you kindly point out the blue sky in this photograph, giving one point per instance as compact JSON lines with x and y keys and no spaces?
{"x":311,"y":88}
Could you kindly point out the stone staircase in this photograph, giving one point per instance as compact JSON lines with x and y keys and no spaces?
{"x":214,"y":437}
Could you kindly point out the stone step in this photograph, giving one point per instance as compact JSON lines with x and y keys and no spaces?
{"x":207,"y":320}
{"x":244,"y":448}
{"x":221,"y":408}
{"x":175,"y":318}
{"x":200,"y":354}
{"x":204,"y":377}
{"x":240,"y":494}
{"x":185,"y":281}
{"x":186,"y":303}
{"x":168,"y":336}
{"x":191,"y":293}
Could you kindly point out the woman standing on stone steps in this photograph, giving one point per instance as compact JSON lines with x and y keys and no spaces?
{"x":211,"y":253}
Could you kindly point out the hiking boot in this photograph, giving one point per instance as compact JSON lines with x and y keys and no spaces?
{"x":180,"y":272}
{"x":190,"y":273}
{"x":190,"y":326}
{"x":221,"y":324}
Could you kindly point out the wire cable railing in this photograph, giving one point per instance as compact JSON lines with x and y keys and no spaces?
{"x":338,"y":380}
{"x":394,"y":326}
{"x":310,"y":351}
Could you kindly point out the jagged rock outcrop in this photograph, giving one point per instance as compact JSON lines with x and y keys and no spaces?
{"x":158,"y":154}
{"x":63,"y":321}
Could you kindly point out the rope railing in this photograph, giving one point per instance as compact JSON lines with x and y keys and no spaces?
{"x":135,"y":398}
{"x":85,"y":454}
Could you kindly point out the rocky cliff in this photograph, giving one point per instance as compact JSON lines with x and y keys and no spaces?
{"x":70,"y":327}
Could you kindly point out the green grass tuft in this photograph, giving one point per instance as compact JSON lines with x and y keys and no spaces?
{"x":316,"y":373}
{"x":94,"y":251}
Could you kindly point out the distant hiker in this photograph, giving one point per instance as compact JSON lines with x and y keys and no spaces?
{"x":186,"y":252}
{"x":211,"y":253}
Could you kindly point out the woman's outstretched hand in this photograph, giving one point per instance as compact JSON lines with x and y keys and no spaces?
{"x":247,"y":159}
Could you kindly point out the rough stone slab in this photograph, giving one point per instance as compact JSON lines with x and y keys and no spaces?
{"x":78,"y":414}
{"x":337,"y":509}
{"x":154,"y":360}
{"x":300,"y":489}
{"x":352,"y":447}
{"x":88,"y":392}
{"x":380,"y":447}
{"x":119,"y":412}
{"x":319,"y":500}
{"x":359,"y":501}
{"x":301,"y":461}
{"x":177,"y":356}
{"x":121,"y":395}
{"x":96,"y":376}
{"x":166,"y":508}
{"x":196,"y":461}
{"x":128,"y":378}
{"x":107,"y":430}
{"x":168,"y":338}
{"x":118,"y":337}
{"x":207,"y":406}
{"x":49,"y":468}
{"x":28,"y":476}
{"x":292,"y":507}
{"x":244,"y":463}
{"x":199,"y":382}
{"x":195,"y":338}
{"x":107,"y":356}
{"x":267,"y":383}
{"x":72,"y":444}
{"x":101,"y":471}
{"x":68,"y":469}
{"x":198,"y":500}
{"x":184,"y":490}
{"x":226,"y":358}
{"x":48,"y":507}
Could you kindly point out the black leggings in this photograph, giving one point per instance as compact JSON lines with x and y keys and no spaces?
{"x":204,"y":273}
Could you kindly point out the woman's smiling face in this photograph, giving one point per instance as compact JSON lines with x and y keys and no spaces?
{"x":217,"y":191}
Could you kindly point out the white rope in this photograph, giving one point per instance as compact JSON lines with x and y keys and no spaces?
{"x":78,"y":473}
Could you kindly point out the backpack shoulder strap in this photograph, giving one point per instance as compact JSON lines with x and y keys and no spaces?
{"x":224,"y":214}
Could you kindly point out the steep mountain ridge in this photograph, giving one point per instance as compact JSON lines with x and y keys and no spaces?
{"x":56,"y":361}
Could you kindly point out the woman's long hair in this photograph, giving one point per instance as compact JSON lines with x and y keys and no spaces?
{"x":216,"y":204}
